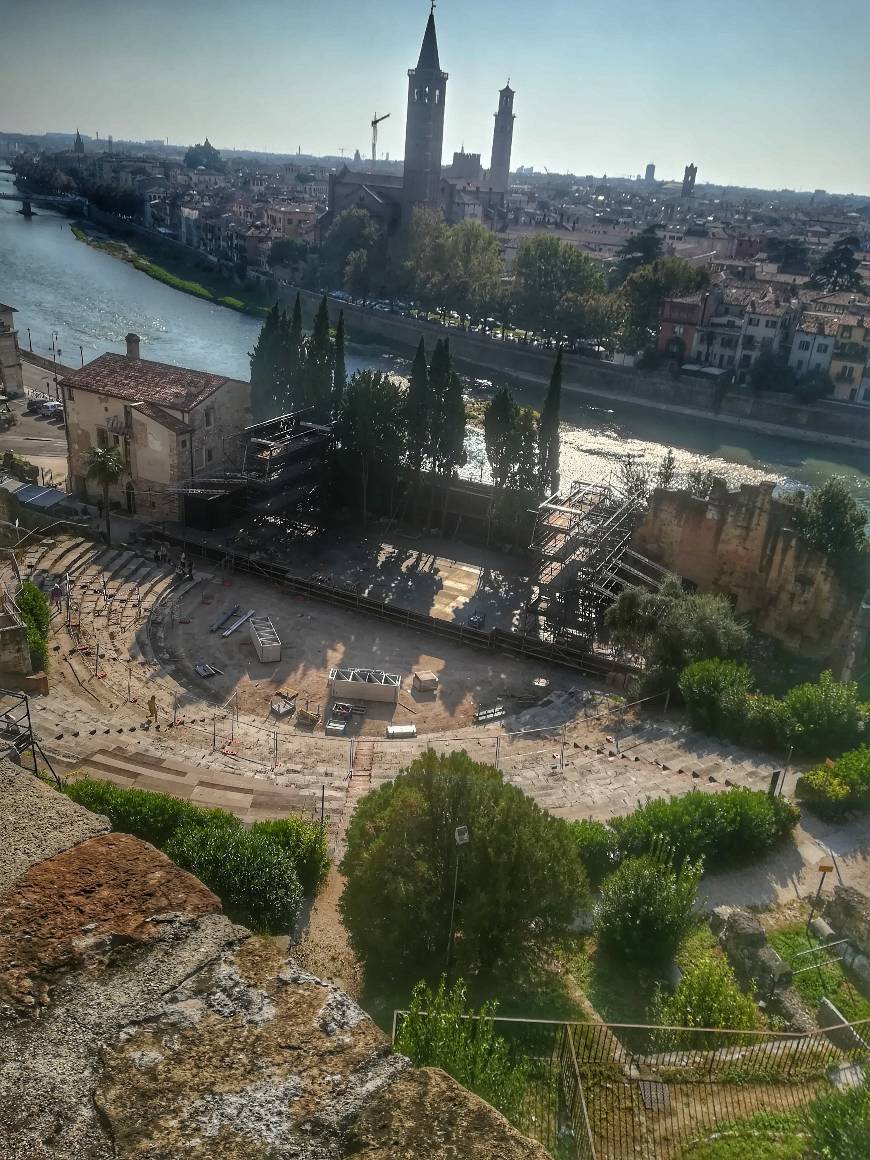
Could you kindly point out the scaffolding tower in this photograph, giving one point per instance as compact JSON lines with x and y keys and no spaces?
{"x":582,"y":539}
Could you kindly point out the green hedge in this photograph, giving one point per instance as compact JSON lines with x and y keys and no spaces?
{"x":724,"y":829}
{"x":36,"y":614}
{"x":258,"y":873}
{"x":818,"y":718}
{"x":253,"y":875}
{"x":646,"y":908}
{"x":838,"y":787}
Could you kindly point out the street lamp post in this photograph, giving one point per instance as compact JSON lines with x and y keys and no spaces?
{"x":29,"y":340}
{"x":461,"y":837}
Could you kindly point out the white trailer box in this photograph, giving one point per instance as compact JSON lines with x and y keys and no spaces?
{"x":265,"y":639}
{"x":364,"y":685}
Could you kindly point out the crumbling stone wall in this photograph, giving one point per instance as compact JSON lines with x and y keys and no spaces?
{"x":137,"y":1021}
{"x":741,"y":544}
{"x":848,"y":912}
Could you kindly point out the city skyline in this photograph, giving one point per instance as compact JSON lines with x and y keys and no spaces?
{"x":667,"y":89}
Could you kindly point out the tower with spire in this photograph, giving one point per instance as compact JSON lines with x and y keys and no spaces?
{"x":424,"y":127}
{"x":502,"y":141}
{"x":78,"y":144}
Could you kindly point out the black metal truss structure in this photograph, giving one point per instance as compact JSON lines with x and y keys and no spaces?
{"x":582,"y":539}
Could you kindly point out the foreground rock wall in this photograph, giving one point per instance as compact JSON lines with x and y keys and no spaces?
{"x":137,"y":1021}
{"x":741,"y":544}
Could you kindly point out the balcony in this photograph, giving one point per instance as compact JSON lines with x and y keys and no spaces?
{"x":120,"y":425}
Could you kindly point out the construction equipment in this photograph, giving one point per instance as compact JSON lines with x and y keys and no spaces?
{"x":227,"y":616}
{"x":376,"y":120}
{"x":238,"y":623}
{"x":307,"y":716}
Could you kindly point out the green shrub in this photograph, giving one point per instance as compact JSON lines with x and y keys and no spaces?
{"x":305,"y":842}
{"x":839,"y":787}
{"x":598,"y":846}
{"x":818,"y":718}
{"x":708,"y":995}
{"x":645,"y":908}
{"x":34,"y":602}
{"x":253,"y":875}
{"x":37,"y":647}
{"x":153,"y":817}
{"x":723,"y":829}
{"x":766,"y":723}
{"x":715,"y":694}
{"x":825,"y":718}
{"x":839,"y":1124}
{"x":440,"y":1030}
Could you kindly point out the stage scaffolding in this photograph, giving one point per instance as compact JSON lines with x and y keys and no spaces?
{"x":582,"y":539}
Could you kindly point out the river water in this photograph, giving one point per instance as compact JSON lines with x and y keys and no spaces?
{"x":91,"y":300}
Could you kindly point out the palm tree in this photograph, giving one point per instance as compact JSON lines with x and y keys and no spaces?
{"x":105,"y":467}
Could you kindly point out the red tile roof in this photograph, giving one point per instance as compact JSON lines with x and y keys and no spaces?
{"x":140,"y":380}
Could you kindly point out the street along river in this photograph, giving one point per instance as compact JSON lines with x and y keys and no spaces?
{"x":90,"y":300}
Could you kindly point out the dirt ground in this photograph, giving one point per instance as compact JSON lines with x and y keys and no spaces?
{"x":316,"y":637}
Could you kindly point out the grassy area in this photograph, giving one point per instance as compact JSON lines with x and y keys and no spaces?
{"x":621,"y":992}
{"x":174,"y":268}
{"x":766,"y":1136}
{"x":829,"y":982}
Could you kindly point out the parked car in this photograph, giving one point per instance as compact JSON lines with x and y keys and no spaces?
{"x":51,"y":410}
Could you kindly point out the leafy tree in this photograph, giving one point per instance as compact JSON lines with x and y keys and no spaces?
{"x":353,"y":229}
{"x":716,"y":694}
{"x":598,"y":846}
{"x":339,"y":369}
{"x":206,"y":156}
{"x":672,"y":628}
{"x":641,"y":250}
{"x":520,"y":880}
{"x":603,"y":316}
{"x":474,"y":267}
{"x":549,"y":431}
{"x":288,"y":252}
{"x":646,"y":908}
{"x":635,"y":480}
{"x":645,"y":291}
{"x":830,"y":520}
{"x":358,"y":275}
{"x":700,"y":482}
{"x":826,"y":717}
{"x":815,"y":384}
{"x":370,"y":430}
{"x":440,"y":1029}
{"x":417,"y":407}
{"x":105,"y":468}
{"x":838,"y":267}
{"x":790,"y":254}
{"x":548,"y":271}
{"x":425,"y":262}
{"x":771,"y":372}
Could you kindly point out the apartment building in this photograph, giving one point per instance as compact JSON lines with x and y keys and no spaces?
{"x":170,"y":425}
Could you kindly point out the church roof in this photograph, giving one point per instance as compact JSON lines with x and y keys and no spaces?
{"x":429,"y":48}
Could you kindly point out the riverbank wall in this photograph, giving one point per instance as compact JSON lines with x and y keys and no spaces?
{"x":841,"y":424}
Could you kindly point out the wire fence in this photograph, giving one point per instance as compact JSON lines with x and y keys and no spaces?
{"x":609,"y":1091}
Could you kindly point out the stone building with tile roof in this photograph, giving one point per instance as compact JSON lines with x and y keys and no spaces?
{"x":169,"y":424}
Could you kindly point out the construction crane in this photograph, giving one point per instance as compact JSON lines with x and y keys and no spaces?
{"x":376,"y":120}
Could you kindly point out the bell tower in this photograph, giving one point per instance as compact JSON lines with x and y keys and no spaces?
{"x":424,"y":127}
{"x":502,"y":141}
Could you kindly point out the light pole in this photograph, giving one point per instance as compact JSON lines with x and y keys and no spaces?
{"x":461,"y":837}
{"x":29,"y":340}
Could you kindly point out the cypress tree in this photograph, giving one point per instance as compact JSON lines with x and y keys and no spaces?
{"x":264,"y":369}
{"x":417,"y":408}
{"x":296,"y":324}
{"x":548,"y":432}
{"x":447,"y":421}
{"x":339,"y":371}
{"x":318,"y":368}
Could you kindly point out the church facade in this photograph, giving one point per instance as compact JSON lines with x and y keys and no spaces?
{"x":461,"y":192}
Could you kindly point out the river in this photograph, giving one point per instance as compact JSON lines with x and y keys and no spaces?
{"x":91,"y":300}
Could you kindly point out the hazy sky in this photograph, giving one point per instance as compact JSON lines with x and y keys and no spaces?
{"x":755,"y":92}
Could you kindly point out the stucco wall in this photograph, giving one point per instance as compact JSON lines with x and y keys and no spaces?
{"x":741,"y":545}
